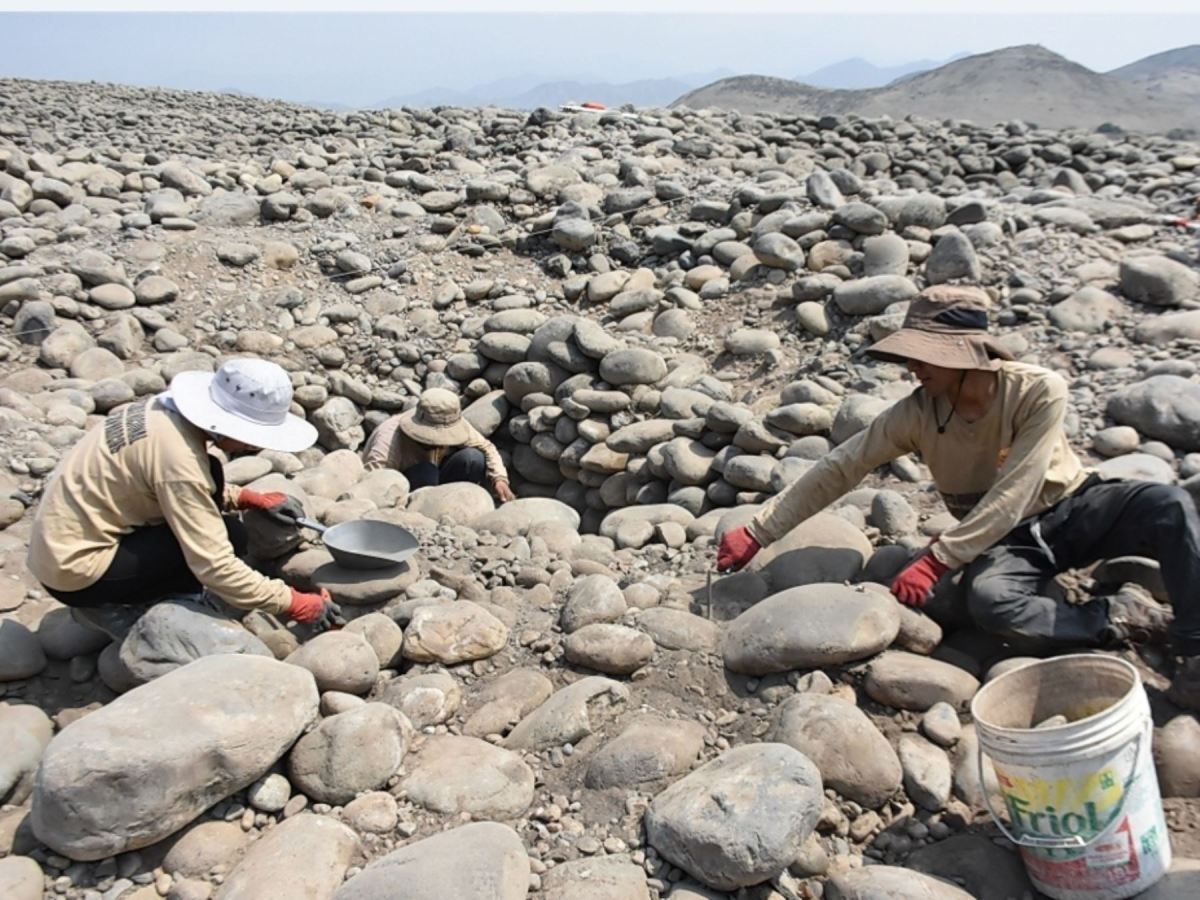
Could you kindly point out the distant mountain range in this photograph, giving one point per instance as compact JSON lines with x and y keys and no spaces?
{"x":1028,"y":82}
{"x":858,"y":73}
{"x":529,"y":93}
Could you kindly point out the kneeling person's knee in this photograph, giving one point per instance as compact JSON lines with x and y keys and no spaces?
{"x":989,"y":597}
{"x":467,"y":464}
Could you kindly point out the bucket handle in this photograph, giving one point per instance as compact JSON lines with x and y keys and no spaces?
{"x":1073,"y":841}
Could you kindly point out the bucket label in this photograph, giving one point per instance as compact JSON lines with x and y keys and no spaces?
{"x":1082,"y":804}
{"x":1109,"y":863}
{"x":1061,"y":807}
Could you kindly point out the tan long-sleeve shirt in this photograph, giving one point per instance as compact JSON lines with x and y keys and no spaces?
{"x":1012,"y":463}
{"x":390,"y":448}
{"x":145,"y":465}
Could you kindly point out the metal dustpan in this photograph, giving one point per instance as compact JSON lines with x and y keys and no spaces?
{"x":365,"y":544}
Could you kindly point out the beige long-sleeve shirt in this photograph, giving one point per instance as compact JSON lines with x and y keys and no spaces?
{"x":145,"y":465}
{"x":390,"y":448}
{"x":1012,"y":463}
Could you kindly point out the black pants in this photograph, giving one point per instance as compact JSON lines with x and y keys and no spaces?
{"x":467,"y":464}
{"x":150,"y":565}
{"x":1005,"y":587}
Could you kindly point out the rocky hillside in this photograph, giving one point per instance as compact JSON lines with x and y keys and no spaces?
{"x":1028,"y":83}
{"x":659,"y":318}
{"x":1173,"y":76}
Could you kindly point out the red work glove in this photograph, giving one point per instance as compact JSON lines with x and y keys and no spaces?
{"x":280,"y":507}
{"x":912,"y":586}
{"x":738,"y":547}
{"x":248,"y":499}
{"x":307,"y":607}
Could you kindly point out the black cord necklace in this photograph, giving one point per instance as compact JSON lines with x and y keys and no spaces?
{"x":941,"y":426}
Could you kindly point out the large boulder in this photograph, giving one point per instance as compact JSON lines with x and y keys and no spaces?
{"x":304,"y":856}
{"x":928,"y":776}
{"x":569,"y":714}
{"x":824,"y":548}
{"x":451,"y":775}
{"x":908,"y":681}
{"x":614,"y":877}
{"x":739,"y":819}
{"x":809,"y":627}
{"x":593,"y":598}
{"x":854,"y":414}
{"x":688,"y":461}
{"x":608,"y":648}
{"x":142,"y":767}
{"x":678,"y":629}
{"x":1160,"y":330}
{"x":953,"y":257}
{"x":452,"y":633}
{"x":1158,"y":281}
{"x":1166,"y":407}
{"x":1137,"y":467}
{"x":890,"y":883}
{"x":518,"y":516}
{"x":1175,"y":757}
{"x":1090,"y":309}
{"x":20,"y":878}
{"x":357,"y":750}
{"x":633,"y":366}
{"x":385,"y":488}
{"x":651,"y":514}
{"x":339,"y":661}
{"x":650,"y":748}
{"x":25,"y":732}
{"x":21,"y":653}
{"x":505,"y":700}
{"x":854,"y":757}
{"x":64,"y":638}
{"x":871,"y":296}
{"x":383,"y":636}
{"x":460,"y":502}
{"x":429,"y":698}
{"x":176,"y":632}
{"x":205,"y":844}
{"x":480,"y":861}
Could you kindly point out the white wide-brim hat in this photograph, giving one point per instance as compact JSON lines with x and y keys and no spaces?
{"x":247,"y":400}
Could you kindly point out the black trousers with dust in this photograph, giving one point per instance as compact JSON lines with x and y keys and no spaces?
{"x":1005,"y":587}
{"x":150,"y":565}
{"x":464,"y":464}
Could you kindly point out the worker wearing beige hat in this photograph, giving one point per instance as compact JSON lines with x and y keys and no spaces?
{"x":433,"y":444}
{"x":991,"y":432}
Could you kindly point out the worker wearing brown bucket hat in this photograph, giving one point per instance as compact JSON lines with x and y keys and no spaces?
{"x":433,"y":444}
{"x":991,"y":432}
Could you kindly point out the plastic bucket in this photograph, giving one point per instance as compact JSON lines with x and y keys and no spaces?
{"x":1082,"y":797}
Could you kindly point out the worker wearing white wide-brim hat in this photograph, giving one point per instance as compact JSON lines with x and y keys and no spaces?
{"x":134,"y":512}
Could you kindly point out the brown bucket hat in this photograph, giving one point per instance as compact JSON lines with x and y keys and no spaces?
{"x":946,"y":325}
{"x":436,"y":420}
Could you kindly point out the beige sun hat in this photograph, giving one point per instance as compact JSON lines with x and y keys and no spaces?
{"x":946,"y":325}
{"x":436,"y":420}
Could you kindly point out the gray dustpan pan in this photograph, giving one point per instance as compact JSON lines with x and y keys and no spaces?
{"x":365,"y":544}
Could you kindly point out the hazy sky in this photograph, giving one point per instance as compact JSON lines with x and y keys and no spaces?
{"x":360,"y":57}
